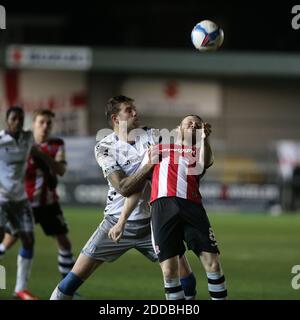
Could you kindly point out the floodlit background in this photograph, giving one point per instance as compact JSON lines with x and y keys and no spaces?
{"x":72,"y":59}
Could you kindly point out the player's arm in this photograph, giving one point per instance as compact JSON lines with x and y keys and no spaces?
{"x":116,"y":232}
{"x":128,"y":185}
{"x":208,"y":155}
{"x":56,"y":167}
{"x":125,"y":185}
{"x":60,"y":160}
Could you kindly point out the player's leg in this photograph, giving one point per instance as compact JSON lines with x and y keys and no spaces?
{"x":7,"y":237}
{"x":200,"y":239}
{"x":65,"y":256}
{"x":53,"y":223}
{"x":21,"y":220}
{"x":60,"y":230}
{"x":3,"y":219}
{"x":97,"y":250}
{"x":83,"y":268}
{"x":1,"y":237}
{"x":215,"y":276}
{"x":8,"y":241}
{"x":187,"y":278}
{"x":2,"y":248}
{"x":168,"y":243}
{"x":170,"y":271}
{"x":188,"y":281}
{"x":24,"y":265}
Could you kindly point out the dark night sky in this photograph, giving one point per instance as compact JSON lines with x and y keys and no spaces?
{"x":251,"y":26}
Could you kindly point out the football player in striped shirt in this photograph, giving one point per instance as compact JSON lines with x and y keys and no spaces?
{"x":40,"y":185}
{"x":178,"y":215}
{"x":120,"y":158}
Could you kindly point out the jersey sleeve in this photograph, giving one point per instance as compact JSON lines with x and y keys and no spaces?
{"x":105,"y":156}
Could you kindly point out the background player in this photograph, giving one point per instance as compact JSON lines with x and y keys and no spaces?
{"x":40,"y":184}
{"x":15,"y":210}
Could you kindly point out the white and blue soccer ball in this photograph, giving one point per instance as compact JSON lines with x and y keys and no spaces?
{"x":207,"y":36}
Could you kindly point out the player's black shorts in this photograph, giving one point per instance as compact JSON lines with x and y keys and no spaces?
{"x":175,"y":221}
{"x":51,"y":219}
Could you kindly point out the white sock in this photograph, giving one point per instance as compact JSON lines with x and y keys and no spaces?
{"x":58,"y":295}
{"x":173,"y":289}
{"x":217,"y":285}
{"x":23,"y":273}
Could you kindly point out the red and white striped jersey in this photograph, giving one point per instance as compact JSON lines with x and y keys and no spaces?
{"x":177,"y":174}
{"x":36,"y":185}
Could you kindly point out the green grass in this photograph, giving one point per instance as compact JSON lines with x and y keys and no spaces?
{"x":257,"y":254}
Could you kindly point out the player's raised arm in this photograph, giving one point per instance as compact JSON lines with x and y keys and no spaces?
{"x":208,"y":155}
{"x":60,"y":159}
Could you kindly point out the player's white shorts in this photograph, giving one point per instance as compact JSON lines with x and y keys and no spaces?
{"x":16,"y":216}
{"x":137,"y":235}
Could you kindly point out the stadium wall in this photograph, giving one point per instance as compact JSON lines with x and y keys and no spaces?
{"x":250,"y":99}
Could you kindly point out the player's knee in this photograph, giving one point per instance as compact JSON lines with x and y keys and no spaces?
{"x":212,"y":266}
{"x":210,"y":261}
{"x":169,"y":270}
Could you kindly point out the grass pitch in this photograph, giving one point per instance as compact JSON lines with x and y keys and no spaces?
{"x":258,"y":252}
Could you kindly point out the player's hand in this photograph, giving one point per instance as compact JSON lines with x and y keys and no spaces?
{"x":207,"y":129}
{"x":116,"y":232}
{"x":153,"y":154}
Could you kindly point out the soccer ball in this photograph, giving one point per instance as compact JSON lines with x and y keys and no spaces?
{"x":207,"y":36}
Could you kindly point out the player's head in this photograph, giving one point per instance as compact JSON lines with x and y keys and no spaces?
{"x":189,"y":124}
{"x":42,"y":123}
{"x":121,"y":108}
{"x":14,"y":120}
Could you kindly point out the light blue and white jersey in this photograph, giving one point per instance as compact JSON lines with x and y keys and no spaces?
{"x":13,"y":161}
{"x":112,"y":155}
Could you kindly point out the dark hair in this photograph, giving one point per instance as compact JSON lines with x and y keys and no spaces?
{"x":113,"y":106}
{"x":43,"y":112}
{"x":16,"y":109}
